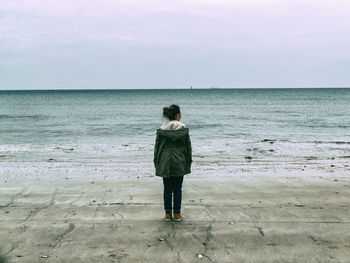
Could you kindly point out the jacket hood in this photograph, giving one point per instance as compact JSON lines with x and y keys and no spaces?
{"x":173,"y":125}
{"x":173,"y":134}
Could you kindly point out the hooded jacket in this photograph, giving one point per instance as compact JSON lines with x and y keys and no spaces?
{"x":172,"y":151}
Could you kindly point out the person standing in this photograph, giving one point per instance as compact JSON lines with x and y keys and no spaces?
{"x":172,"y":159}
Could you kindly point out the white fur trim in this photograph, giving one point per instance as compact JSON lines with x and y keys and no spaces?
{"x":173,"y":125}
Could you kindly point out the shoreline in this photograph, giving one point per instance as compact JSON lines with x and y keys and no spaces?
{"x":74,"y":170}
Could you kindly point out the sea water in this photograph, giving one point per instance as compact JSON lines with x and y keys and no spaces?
{"x":228,"y":126}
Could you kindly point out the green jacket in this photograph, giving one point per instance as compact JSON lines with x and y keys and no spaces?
{"x":172,"y":153}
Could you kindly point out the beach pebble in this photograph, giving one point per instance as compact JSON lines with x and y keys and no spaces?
{"x":267,"y":140}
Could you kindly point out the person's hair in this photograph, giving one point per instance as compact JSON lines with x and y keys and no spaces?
{"x":171,"y":112}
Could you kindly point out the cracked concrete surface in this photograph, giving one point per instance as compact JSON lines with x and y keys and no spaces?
{"x":228,"y":219}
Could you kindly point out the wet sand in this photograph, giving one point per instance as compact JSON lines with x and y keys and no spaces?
{"x":240,"y":218}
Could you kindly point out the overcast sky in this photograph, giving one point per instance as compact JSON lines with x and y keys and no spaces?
{"x":111,"y":44}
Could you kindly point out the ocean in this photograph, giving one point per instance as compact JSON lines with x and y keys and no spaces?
{"x":256,"y":127}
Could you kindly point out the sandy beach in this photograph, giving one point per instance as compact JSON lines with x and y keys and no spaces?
{"x":99,"y":97}
{"x":80,"y":216}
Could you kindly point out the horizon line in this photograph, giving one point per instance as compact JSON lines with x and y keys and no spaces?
{"x":190,"y":88}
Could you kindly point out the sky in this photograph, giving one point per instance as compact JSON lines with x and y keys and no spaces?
{"x":134,"y":44}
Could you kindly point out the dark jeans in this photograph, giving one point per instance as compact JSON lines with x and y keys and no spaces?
{"x":172,"y":185}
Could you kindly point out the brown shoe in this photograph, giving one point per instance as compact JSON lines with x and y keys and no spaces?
{"x":177,"y":217}
{"x":167,"y":217}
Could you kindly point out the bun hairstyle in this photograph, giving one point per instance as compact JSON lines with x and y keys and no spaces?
{"x":171,"y":112}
